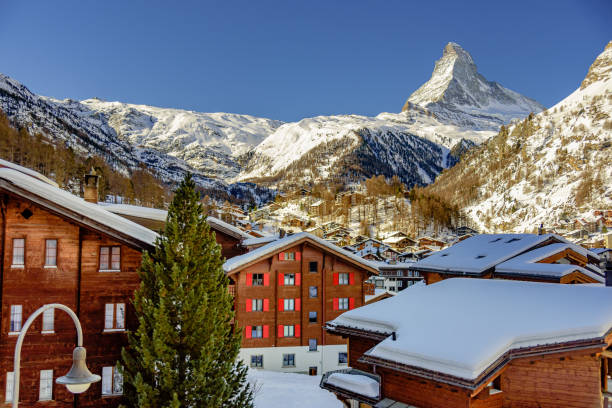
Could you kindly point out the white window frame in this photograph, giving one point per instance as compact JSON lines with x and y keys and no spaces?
{"x":110,"y":258}
{"x":50,"y":253}
{"x":114,"y":317}
{"x":48,"y":324}
{"x":343,"y":278}
{"x":343,"y":303}
{"x":346,"y":358}
{"x":18,"y":260}
{"x":257,"y":332}
{"x":289,"y":331}
{"x":287,"y":356}
{"x":289,"y":256}
{"x":45,"y":391}
{"x":257,"y":357}
{"x":16,"y":311}
{"x":257,"y":305}
{"x":8,"y":395}
{"x":289,"y":279}
{"x":112,"y":381}
{"x":289,"y":305}
{"x":312,"y":342}
{"x":316,"y":292}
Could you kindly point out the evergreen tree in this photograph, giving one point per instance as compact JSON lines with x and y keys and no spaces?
{"x":184,"y":352}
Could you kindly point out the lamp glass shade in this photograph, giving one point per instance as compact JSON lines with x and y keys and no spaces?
{"x":79,"y":378}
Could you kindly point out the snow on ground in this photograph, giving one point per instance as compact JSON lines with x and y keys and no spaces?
{"x":289,"y":390}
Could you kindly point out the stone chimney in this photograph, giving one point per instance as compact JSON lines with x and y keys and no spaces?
{"x":90,"y":192}
{"x":281,"y":233}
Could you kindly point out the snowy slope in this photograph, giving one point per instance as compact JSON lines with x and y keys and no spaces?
{"x":455,"y":105}
{"x":208,"y":142}
{"x":458,"y":94}
{"x":554,"y":167}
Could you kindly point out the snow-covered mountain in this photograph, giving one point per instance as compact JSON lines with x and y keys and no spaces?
{"x":456,"y":109}
{"x":553,"y":166}
{"x":457,"y":105}
{"x":458,"y":94}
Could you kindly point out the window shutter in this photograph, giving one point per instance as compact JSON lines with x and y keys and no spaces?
{"x":281,"y":279}
{"x":336,"y":279}
{"x":298,"y":279}
{"x":281,"y":305}
{"x":280,"y":332}
{"x":266,"y":305}
{"x":249,"y":279}
{"x":281,"y":256}
{"x":266,"y":279}
{"x":297,"y":330}
{"x":248,"y":332}
{"x":352,"y":278}
{"x":298,"y":256}
{"x":335,"y":303}
{"x":298,"y":304}
{"x":351,"y":303}
{"x":249,"y":305}
{"x":266,"y":331}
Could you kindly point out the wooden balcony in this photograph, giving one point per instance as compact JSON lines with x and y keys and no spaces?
{"x":232,"y":290}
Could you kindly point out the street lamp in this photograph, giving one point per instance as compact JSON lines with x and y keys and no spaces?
{"x":79,"y":378}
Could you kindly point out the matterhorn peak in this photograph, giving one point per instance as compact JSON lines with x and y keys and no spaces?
{"x":457,"y":93}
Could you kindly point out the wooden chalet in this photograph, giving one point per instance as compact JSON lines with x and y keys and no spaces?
{"x":544,"y":258}
{"x":228,"y":236}
{"x":58,"y":248}
{"x":285,"y":291}
{"x":430,"y":243}
{"x":541,"y":346}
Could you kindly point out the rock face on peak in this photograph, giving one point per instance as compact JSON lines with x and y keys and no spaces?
{"x":457,"y":93}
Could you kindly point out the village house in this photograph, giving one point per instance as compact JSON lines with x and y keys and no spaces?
{"x":285,"y":291}
{"x":395,"y":276}
{"x":541,"y":345}
{"x":59,"y":248}
{"x":545,"y":258}
{"x":430,"y":243}
{"x":399,"y":240}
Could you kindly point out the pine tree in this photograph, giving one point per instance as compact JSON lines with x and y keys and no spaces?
{"x":184,"y":352}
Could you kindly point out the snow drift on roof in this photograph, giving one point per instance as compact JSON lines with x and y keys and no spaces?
{"x":275,"y":246}
{"x":136,"y":211}
{"x":78,"y":205}
{"x":449,"y":336}
{"x":29,"y":172}
{"x":481,"y":252}
{"x":237,"y":232}
{"x":357,"y":383}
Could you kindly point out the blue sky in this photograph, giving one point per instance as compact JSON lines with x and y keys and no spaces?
{"x":287,"y":59}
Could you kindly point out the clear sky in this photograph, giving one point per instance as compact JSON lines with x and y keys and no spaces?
{"x":292,"y":59}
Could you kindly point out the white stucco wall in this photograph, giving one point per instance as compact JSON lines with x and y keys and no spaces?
{"x":325,"y":358}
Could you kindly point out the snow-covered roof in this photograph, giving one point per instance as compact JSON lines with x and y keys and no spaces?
{"x":136,"y":211}
{"x":378,"y":293}
{"x":395,"y":239}
{"x":230,"y":229}
{"x":260,"y":240}
{"x":482,"y":252}
{"x":239,"y":261}
{"x":528,"y":264}
{"x":29,"y":172}
{"x":445,"y":337}
{"x":359,"y":384}
{"x":47,"y":194}
{"x":599,"y":251}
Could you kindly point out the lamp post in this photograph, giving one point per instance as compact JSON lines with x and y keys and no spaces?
{"x":79,"y":378}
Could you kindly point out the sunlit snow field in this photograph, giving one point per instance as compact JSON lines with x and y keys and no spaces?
{"x":286,"y":390}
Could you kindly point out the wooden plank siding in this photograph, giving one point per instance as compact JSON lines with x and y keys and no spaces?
{"x":77,"y":283}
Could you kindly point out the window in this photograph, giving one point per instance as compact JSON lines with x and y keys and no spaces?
{"x":288,"y":331}
{"x":343,"y":279}
{"x":16,"y":315}
{"x":287,"y":256}
{"x":110,"y":258}
{"x":343,"y":303}
{"x":257,"y":305}
{"x":45,"y":392}
{"x":313,"y":292}
{"x":257,"y":361}
{"x":48,"y":318}
{"x":312,"y":317}
{"x":257,"y":332}
{"x":288,"y":360}
{"x":342,"y":357}
{"x":18,"y":252}
{"x":8,"y":397}
{"x":258,"y":279}
{"x":112,"y":381}
{"x":289,"y":279}
{"x":312,"y":345}
{"x":51,"y":252}
{"x":114,"y":317}
{"x":289,"y":304}
{"x":313,"y":267}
